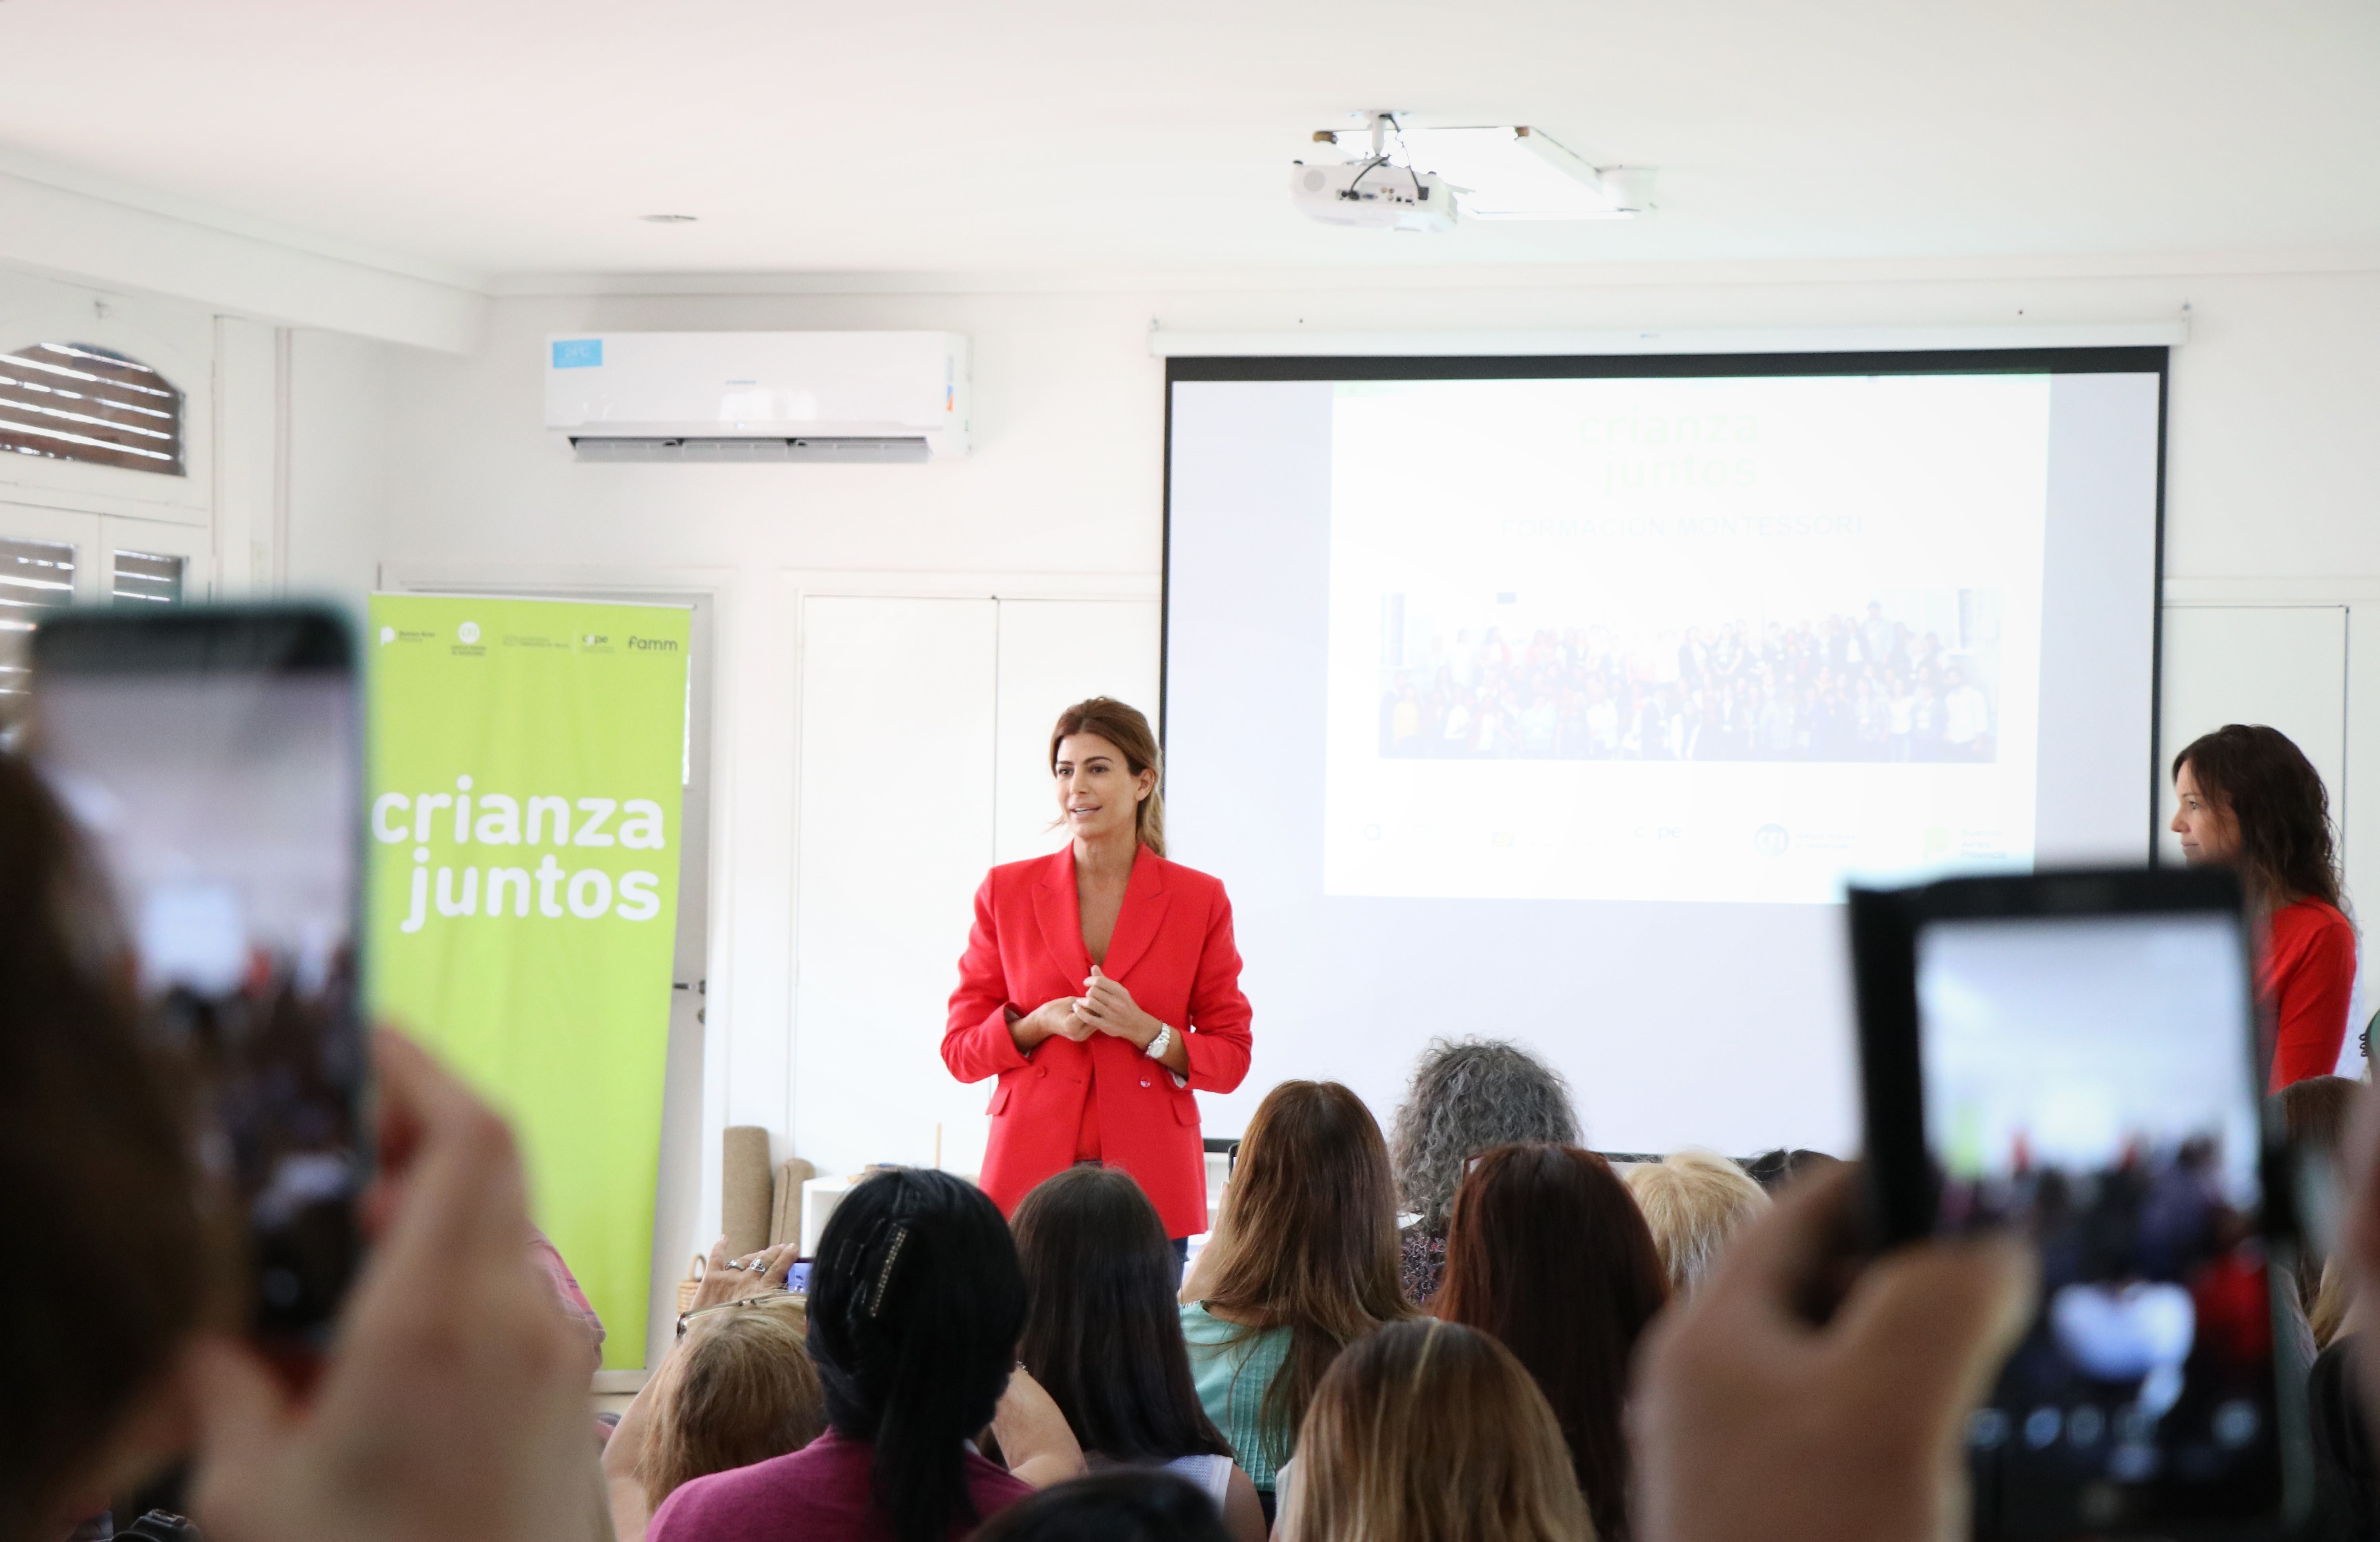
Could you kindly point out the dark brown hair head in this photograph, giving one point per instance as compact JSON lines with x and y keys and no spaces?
{"x":2287,"y":849}
{"x":1103,"y":1329}
{"x":99,"y":1192}
{"x":1547,"y":1251}
{"x":1124,"y":727}
{"x":1309,"y":1237}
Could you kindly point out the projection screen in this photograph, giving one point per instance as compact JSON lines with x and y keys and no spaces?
{"x":1555,"y":700}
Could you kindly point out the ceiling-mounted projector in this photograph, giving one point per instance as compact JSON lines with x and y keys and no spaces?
{"x":1372,"y":193}
{"x":1488,"y":173}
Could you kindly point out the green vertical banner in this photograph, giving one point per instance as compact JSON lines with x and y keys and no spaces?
{"x":526,"y":758}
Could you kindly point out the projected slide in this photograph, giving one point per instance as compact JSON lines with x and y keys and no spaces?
{"x":1554,"y":699}
{"x":1671,"y":639}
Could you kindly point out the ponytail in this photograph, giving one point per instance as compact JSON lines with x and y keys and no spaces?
{"x":915,"y":1305}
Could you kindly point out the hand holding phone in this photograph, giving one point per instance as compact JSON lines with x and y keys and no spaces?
{"x":1755,"y":1420}
{"x":455,"y":1404}
{"x":212,"y":756}
{"x":2075,"y":1057}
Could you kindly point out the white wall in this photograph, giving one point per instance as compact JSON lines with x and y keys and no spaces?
{"x":321,"y":457}
{"x":1062,"y":495}
{"x":338,"y":400}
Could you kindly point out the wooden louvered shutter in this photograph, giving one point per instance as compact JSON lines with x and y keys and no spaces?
{"x":72,"y":401}
{"x":35,"y":576}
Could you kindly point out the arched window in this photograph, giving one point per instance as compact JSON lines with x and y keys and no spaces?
{"x":72,"y":401}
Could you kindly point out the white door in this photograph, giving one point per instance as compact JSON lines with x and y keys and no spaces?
{"x":895,"y":834}
{"x":2284,"y":666}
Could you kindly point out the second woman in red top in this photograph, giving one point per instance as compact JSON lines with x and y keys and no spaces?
{"x":2249,"y":798}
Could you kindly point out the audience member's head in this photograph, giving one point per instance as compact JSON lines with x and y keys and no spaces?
{"x":98,"y":1193}
{"x":2315,"y":1113}
{"x":1310,"y":1236}
{"x":1777,"y":1167}
{"x":2249,"y":799}
{"x":1548,"y":1254}
{"x":1693,"y":1200}
{"x":1430,"y":1432}
{"x":1126,"y":1506}
{"x":916,"y":1302}
{"x":1807,"y":1394}
{"x":1465,"y":1098}
{"x":741,"y":1389}
{"x":1103,"y":1332}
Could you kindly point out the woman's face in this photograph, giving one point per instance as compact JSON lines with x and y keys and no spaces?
{"x":1097,"y":794}
{"x":2209,"y":832}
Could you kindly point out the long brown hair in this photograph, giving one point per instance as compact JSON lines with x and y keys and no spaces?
{"x":2287,"y":847}
{"x":741,"y":1389}
{"x":96,"y":1165}
{"x":1124,"y":727}
{"x":1430,"y":1432}
{"x":1103,"y":1331}
{"x":1547,"y":1251}
{"x":1309,"y":1238}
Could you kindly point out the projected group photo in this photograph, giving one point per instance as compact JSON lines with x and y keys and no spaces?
{"x":1907,"y":677}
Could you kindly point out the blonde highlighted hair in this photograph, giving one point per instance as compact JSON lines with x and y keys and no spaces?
{"x":1428,"y":1431}
{"x":1125,"y":728}
{"x":1694,"y":1200}
{"x":741,"y":1389}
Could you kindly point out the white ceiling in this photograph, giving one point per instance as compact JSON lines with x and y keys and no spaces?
{"x":511,"y":136}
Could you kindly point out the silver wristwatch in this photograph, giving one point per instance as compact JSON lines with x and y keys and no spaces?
{"x":1162,"y":1042}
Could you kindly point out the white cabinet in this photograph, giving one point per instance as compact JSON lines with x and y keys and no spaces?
{"x":2284,"y":666}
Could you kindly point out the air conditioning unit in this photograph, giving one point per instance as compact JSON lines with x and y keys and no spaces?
{"x":851,"y":397}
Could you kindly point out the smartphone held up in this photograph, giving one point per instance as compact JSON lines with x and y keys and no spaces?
{"x":2077,"y":1055}
{"x":214,"y":757}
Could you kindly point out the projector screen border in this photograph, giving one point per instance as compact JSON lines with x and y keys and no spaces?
{"x":2123,"y":360}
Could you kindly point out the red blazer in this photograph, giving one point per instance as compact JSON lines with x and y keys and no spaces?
{"x":1172,"y":949}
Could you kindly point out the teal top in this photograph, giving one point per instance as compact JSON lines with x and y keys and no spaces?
{"x":1233,"y":1368}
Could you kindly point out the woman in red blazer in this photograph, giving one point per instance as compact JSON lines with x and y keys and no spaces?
{"x":1102,"y":986}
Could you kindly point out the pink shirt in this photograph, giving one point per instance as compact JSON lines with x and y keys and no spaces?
{"x":820,"y":1493}
{"x":548,"y":1258}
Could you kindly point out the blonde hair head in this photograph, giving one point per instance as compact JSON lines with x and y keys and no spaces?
{"x":1692,"y":1199}
{"x":1428,"y":1431}
{"x":741,"y":1389}
{"x":2334,"y":1302}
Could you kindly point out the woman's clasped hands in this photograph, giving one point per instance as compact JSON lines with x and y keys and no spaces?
{"x":1109,"y":1008}
{"x":1105,"y":1007}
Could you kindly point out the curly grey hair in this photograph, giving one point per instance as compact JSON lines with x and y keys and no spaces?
{"x":1468,"y":1096}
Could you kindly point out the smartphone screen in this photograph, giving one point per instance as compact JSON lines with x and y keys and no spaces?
{"x":213,"y":759}
{"x":2090,"y":1078}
